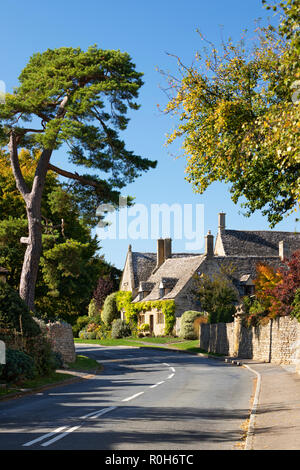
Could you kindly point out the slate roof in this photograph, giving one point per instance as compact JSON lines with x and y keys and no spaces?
{"x":257,"y":243}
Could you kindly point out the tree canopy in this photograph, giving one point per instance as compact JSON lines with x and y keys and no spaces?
{"x":79,"y":100}
{"x":239,"y":117}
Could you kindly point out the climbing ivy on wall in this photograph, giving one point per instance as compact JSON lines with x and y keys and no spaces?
{"x":132,"y":310}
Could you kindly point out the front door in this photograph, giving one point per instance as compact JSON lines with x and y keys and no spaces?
{"x":151,"y":323}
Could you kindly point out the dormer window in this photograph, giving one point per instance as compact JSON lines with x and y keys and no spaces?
{"x":141,"y":296}
{"x":161,"y":290}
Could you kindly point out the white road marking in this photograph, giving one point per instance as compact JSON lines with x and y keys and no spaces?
{"x":172,"y":369}
{"x":166,"y":364}
{"x":133,"y":396}
{"x":60,"y":436}
{"x":156,"y":385}
{"x":170,"y":376}
{"x":103,"y":412}
{"x":41,"y":438}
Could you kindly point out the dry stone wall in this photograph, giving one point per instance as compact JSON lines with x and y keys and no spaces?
{"x":61,"y":338}
{"x":277,"y":342}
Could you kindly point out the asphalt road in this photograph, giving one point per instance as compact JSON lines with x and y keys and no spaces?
{"x":144,"y":399}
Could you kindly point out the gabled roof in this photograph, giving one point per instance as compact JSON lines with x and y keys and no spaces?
{"x":256,"y":243}
{"x":143,"y":265}
{"x":180,"y":268}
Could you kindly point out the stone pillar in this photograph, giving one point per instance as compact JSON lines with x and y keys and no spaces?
{"x":237,"y":329}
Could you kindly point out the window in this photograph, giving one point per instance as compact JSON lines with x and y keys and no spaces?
{"x":248,"y":290}
{"x":160,"y":317}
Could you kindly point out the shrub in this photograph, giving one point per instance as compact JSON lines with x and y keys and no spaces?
{"x":14,"y":313}
{"x":110,"y":311}
{"x":93,"y":309}
{"x":120,"y":329}
{"x":187,"y":330}
{"x":19,"y":366}
{"x":296,"y":306}
{"x":46,"y":360}
{"x":81,"y":322}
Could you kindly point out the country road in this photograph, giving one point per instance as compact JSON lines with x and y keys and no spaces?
{"x":144,"y":399}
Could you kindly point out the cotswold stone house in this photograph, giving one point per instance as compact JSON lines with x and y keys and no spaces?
{"x":166,"y":275}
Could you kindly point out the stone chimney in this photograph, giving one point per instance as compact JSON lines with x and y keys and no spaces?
{"x":222,"y":221}
{"x":283,"y":250}
{"x":168,"y":247}
{"x":160,"y":252}
{"x":209,"y":244}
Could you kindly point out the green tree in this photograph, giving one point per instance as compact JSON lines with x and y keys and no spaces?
{"x":239,"y":117}
{"x":110,"y":311}
{"x":217,"y":297}
{"x":70,"y":265}
{"x":80,"y":99}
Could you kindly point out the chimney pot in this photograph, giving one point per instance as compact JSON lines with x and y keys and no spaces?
{"x":209,"y":244}
{"x":222,"y":221}
{"x":283,"y":250}
{"x":168,"y":247}
{"x":160,"y":252}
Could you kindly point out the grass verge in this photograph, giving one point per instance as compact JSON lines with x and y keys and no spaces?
{"x":190,"y":346}
{"x":85,"y":364}
{"x":82,"y":364}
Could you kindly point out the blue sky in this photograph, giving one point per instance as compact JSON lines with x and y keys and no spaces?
{"x":147,"y":31}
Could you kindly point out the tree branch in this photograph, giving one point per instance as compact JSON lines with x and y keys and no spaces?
{"x":15,"y":164}
{"x":74,"y":176}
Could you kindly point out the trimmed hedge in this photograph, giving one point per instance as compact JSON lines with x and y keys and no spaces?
{"x":188,"y":318}
{"x":110,"y":311}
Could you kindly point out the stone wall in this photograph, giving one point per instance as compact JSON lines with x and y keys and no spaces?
{"x":60,"y":335}
{"x":277,"y":342}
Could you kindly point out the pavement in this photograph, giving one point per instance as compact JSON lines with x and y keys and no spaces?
{"x":276,"y":415}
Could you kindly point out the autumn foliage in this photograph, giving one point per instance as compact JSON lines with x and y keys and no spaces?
{"x":276,"y":291}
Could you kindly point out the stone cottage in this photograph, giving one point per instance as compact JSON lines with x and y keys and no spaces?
{"x":165,"y":275}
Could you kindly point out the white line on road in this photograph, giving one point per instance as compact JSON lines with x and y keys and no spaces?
{"x":60,"y":436}
{"x":103,"y":412}
{"x":41,"y":438}
{"x":170,"y":376}
{"x":133,"y":396}
{"x":172,"y":369}
{"x":98,"y":412}
{"x":156,"y":385}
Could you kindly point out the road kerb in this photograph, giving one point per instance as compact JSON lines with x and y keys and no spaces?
{"x":250,"y":432}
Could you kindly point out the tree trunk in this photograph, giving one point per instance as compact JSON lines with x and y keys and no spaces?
{"x":33,"y":200}
{"x":32,"y":256}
